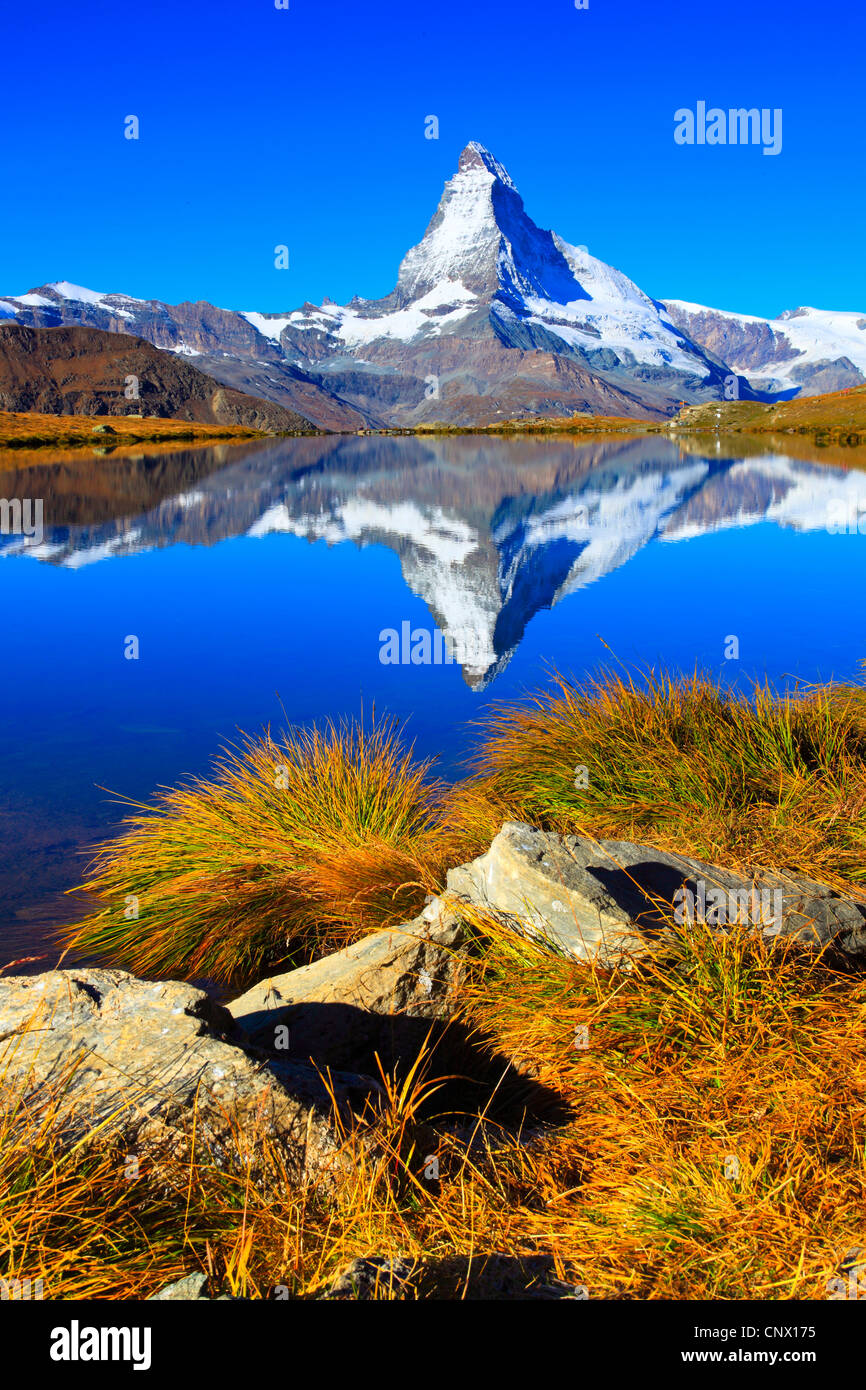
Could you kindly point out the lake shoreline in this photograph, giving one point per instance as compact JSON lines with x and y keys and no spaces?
{"x":833,"y":418}
{"x":30,"y":430}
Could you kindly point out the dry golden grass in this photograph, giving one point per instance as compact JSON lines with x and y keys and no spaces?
{"x":777,"y":780}
{"x":721,"y":1051}
{"x":290,"y":850}
{"x":553,"y":424}
{"x":294,"y":847}
{"x":28,"y":429}
{"x":715,"y":1146}
{"x":832,"y":413}
{"x":715,"y":1150}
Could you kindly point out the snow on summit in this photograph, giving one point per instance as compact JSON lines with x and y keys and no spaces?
{"x":465,"y":231}
{"x":482,"y":251}
{"x":84,"y":296}
{"x":476,"y":156}
{"x":67,"y":293}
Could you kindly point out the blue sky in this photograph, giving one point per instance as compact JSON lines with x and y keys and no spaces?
{"x":305,"y":127}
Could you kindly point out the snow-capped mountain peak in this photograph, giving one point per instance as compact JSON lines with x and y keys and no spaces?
{"x":465,"y":237}
{"x":61,"y":296}
{"x":485,"y":268}
{"x":491,"y":317}
{"x":475,"y":156}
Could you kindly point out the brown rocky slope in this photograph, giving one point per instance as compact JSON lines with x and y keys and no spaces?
{"x":85,"y":371}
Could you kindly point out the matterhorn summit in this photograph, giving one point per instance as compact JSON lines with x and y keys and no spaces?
{"x":482,"y":238}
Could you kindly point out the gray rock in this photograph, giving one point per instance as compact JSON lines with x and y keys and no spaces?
{"x":362,"y":998}
{"x":143,"y":1058}
{"x":601,"y":900}
{"x":370,"y":1278}
{"x":191,"y":1286}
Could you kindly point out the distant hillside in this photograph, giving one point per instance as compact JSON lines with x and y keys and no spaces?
{"x":803,"y":352}
{"x":837,"y":412}
{"x":85,"y":371}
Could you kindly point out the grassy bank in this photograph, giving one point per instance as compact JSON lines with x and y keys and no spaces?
{"x":835,"y":414}
{"x":293,"y":846}
{"x":714,"y":1146}
{"x":831,"y":418}
{"x":540,"y":424}
{"x":29,"y":430}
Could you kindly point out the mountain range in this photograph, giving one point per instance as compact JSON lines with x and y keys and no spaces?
{"x":486,"y":537}
{"x":491,"y":318}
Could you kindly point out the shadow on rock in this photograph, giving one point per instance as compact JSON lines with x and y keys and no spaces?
{"x":494,"y":1277}
{"x":345,"y":1038}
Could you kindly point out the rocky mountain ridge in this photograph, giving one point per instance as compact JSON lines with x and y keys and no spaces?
{"x":802,"y":352}
{"x":491,"y":318}
{"x":86,"y":371}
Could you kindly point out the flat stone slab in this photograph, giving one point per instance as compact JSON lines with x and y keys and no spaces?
{"x":601,"y":900}
{"x":336,"y":1009}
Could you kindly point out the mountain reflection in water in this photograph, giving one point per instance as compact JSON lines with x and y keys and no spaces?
{"x":488,"y":532}
{"x":525,"y":551}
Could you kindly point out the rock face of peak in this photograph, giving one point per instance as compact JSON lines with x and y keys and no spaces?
{"x":482,"y":240}
{"x":475,"y":156}
{"x":492,"y":317}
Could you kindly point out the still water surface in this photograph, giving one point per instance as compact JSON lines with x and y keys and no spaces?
{"x":259,"y":579}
